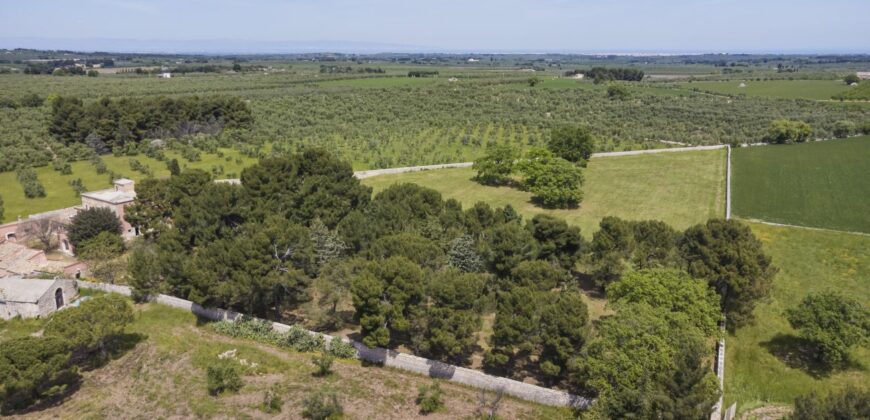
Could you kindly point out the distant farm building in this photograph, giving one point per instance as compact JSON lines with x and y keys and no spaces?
{"x":578,"y":76}
{"x":863,"y":75}
{"x":31,"y":298}
{"x":165,"y":75}
{"x":742,"y":85}
{"x":452,"y":79}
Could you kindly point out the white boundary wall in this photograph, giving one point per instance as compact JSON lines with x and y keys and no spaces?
{"x":386,"y":357}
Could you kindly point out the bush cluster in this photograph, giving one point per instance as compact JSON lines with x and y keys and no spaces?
{"x":32,"y":187}
{"x":296,"y":338}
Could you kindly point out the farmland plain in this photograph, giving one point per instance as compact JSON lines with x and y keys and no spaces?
{"x":786,"y":89}
{"x":818,"y":184}
{"x":681,"y":189}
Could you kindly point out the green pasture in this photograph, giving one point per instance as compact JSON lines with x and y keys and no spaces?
{"x":763,"y":362}
{"x":787,"y":89}
{"x":59,"y":194}
{"x":681,"y":189}
{"x":818,"y":184}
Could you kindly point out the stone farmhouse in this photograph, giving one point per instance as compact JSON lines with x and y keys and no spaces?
{"x":31,"y":298}
{"x":863,"y":75}
{"x":17,"y":259}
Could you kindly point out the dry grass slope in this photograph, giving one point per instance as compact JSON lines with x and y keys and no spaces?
{"x":164,"y":376}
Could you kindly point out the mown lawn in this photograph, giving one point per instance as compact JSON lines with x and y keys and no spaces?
{"x":60,"y":194}
{"x":762,"y":365}
{"x":164,"y":376}
{"x":680,"y":189}
{"x":819,"y":184}
{"x":787,"y":89}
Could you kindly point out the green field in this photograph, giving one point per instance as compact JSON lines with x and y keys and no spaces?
{"x":788,"y":89}
{"x":809,"y":261}
{"x":60,"y":194}
{"x":819,"y":184}
{"x":681,"y":189}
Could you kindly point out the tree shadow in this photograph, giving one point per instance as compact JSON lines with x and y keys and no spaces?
{"x":799,"y":353}
{"x":116,"y":347}
{"x":49,"y":402}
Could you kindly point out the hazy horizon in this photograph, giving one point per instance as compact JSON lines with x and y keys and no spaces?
{"x":487,"y":26}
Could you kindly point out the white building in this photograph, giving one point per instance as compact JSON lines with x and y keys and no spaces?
{"x":863,"y":75}
{"x":30,"y":298}
{"x":165,"y":75}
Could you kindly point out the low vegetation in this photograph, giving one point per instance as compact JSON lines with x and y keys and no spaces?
{"x":819,"y":184}
{"x":165,"y":374}
{"x":769,"y":362}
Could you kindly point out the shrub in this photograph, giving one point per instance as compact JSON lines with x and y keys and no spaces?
{"x":93,"y":326}
{"x":296,"y":338}
{"x":323,"y":362}
{"x":223,"y":377}
{"x":429,"y":398}
{"x":33,"y":368}
{"x":616,"y":91}
{"x":88,"y":223}
{"x":786,"y":131}
{"x":832,"y":323}
{"x":78,"y":186}
{"x":341,"y":349}
{"x":322,"y":405}
{"x":32,"y":187}
{"x":843,"y":129}
{"x":272,"y":402}
{"x":847,"y":403}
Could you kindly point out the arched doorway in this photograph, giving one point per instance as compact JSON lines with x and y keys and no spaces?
{"x":58,"y":298}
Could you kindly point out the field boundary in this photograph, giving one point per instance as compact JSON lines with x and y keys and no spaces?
{"x":785,"y":225}
{"x":654,"y":151}
{"x":720,"y":346}
{"x":391,"y":171}
{"x":385,"y":357}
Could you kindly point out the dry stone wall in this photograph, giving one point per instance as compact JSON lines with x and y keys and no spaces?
{"x":387,"y":357}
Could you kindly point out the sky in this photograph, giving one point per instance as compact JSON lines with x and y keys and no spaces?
{"x":590,"y":26}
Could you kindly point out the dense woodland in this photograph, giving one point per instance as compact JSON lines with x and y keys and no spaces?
{"x":302,"y":239}
{"x":107,"y":124}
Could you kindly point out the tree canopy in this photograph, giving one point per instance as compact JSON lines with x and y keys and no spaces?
{"x":832,"y":323}
{"x":728,"y":255}
{"x":573,"y":143}
{"x":89,"y":223}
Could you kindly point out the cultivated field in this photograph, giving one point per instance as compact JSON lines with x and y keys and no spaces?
{"x":764,"y":364}
{"x":819,"y":184}
{"x":164,"y":376}
{"x":60,"y":194}
{"x":788,"y":89}
{"x":681,"y":189}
